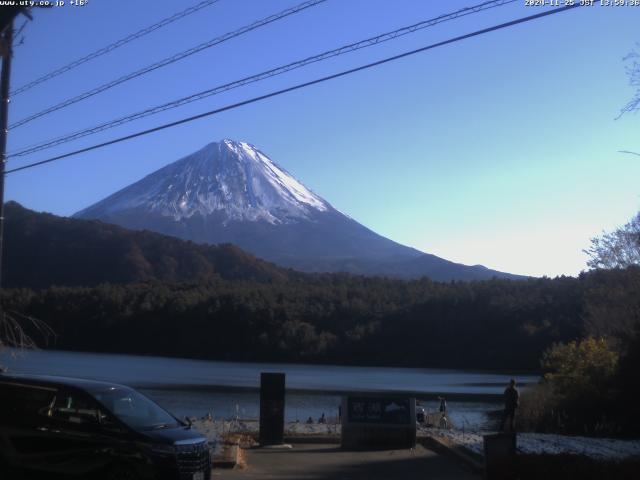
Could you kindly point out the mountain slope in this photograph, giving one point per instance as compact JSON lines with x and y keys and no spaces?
{"x":231,"y":192}
{"x":44,"y":250}
{"x":231,"y":178}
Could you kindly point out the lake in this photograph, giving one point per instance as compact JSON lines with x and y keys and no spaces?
{"x":229,"y":389}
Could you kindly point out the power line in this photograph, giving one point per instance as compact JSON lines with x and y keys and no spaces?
{"x":169,"y":60}
{"x":296,"y":87}
{"x":114,"y":45}
{"x":260,"y":76}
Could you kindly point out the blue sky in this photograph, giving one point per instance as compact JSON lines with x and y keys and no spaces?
{"x":500,"y":150}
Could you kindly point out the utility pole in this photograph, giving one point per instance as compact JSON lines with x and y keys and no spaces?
{"x":5,"y":76}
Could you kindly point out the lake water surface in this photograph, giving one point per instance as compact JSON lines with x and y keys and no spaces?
{"x":229,"y":389}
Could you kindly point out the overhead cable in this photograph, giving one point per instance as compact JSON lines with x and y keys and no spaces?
{"x":113,"y":46}
{"x":260,"y":76}
{"x":168,"y":61}
{"x":296,"y":87}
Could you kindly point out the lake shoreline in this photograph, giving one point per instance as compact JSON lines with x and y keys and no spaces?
{"x":400,"y":366}
{"x":231,"y":390}
{"x":470,"y":397}
{"x":180,"y":374}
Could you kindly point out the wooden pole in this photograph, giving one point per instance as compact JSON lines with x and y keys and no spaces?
{"x":5,"y":77}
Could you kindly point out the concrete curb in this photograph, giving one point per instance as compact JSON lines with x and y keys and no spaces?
{"x":474,"y":462}
{"x":312,"y":439}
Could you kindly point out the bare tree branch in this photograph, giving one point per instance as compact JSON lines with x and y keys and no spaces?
{"x":633,"y":72}
{"x":629,"y":152}
{"x":14,"y":328}
{"x":617,"y":249}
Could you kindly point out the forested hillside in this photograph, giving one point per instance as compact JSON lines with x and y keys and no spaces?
{"x":104,"y":288}
{"x":497,"y":324}
{"x":42,"y":250}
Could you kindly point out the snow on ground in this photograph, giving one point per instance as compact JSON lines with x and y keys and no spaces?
{"x":312,"y":429}
{"x":215,"y":429}
{"x":538,"y":443}
{"x":527,"y":443}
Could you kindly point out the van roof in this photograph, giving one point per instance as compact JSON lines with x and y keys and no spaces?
{"x":55,"y":381}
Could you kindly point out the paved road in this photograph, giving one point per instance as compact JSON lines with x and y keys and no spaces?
{"x":320,"y":461}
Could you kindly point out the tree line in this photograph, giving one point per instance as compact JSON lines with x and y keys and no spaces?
{"x":339,"y":318}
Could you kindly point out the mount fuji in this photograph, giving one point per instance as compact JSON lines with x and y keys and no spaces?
{"x":231,"y":192}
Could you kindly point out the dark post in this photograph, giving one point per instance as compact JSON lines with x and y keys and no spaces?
{"x":7,"y":38}
{"x":272,"y":408}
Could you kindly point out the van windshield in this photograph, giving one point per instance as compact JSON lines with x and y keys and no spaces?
{"x":134,"y":409}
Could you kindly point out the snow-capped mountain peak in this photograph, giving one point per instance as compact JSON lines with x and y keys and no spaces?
{"x":231,"y":192}
{"x":230,"y":178}
{"x":278,"y":177}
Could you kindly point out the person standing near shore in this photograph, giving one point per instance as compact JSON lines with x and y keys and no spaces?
{"x":443,"y":422}
{"x":511,"y":403}
{"x":443,"y":405}
{"x":420,"y":416}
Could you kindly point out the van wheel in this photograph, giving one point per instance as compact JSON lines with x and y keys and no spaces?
{"x":122,"y":472}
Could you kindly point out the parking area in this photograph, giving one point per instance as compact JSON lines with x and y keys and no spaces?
{"x":328,"y":461}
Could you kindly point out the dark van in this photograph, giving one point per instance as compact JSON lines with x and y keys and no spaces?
{"x":57,"y":427}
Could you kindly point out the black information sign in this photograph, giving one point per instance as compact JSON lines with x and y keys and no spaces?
{"x":271,"y":408}
{"x":379,"y":410}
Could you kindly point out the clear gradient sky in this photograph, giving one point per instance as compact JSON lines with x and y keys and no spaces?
{"x":500,"y":150}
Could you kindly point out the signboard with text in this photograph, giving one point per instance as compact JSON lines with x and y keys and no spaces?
{"x":379,"y":410}
{"x":378,"y":421}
